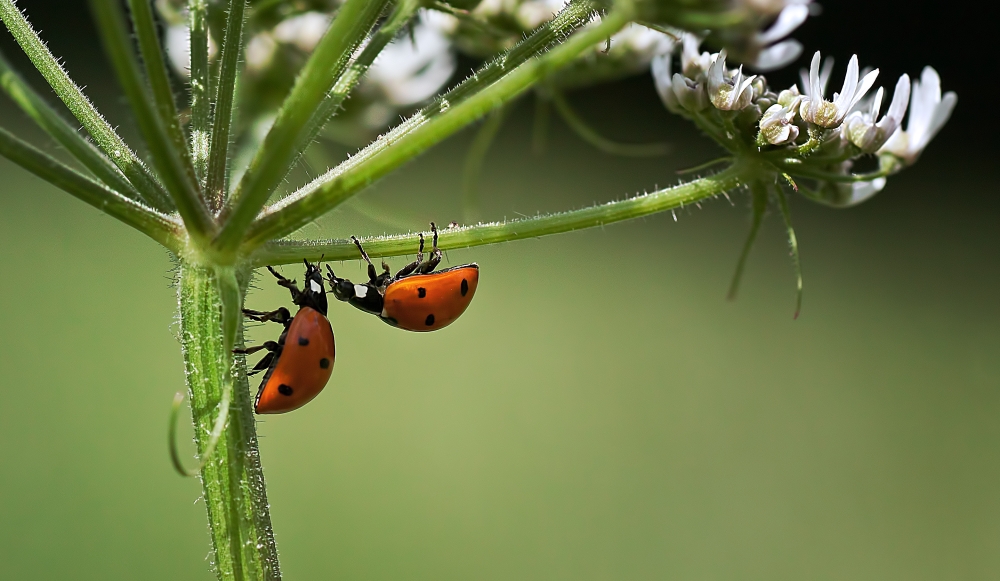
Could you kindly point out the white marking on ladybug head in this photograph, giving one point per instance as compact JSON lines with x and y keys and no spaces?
{"x":316,"y":288}
{"x":360,"y":291}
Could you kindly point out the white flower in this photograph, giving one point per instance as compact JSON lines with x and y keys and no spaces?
{"x":410,"y":71}
{"x":815,"y":109}
{"x":777,"y":125}
{"x":641,"y":41}
{"x":660,"y":68}
{"x":865,"y":129}
{"x":728,"y":90}
{"x":928,"y":114}
{"x":693,"y":63}
{"x":690,"y":93}
{"x":845,"y":195}
{"x":774,"y":54}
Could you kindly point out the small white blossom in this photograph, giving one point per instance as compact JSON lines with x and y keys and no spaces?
{"x":693,"y":63}
{"x":865,"y":129}
{"x":661,"y":71}
{"x":850,"y":194}
{"x":817,"y":110}
{"x":774,"y":54}
{"x":690,"y":93}
{"x":728,"y":91}
{"x":777,"y":125}
{"x":928,"y":114}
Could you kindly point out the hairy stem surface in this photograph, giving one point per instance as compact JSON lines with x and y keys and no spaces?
{"x":232,"y":479}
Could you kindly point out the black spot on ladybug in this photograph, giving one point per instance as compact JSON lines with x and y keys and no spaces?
{"x":465,"y":287}
{"x":429,"y":320}
{"x":285,"y":389}
{"x":421,"y":292}
{"x":324,"y":363}
{"x":303,"y":341}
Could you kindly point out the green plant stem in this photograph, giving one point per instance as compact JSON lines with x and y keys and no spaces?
{"x":65,"y":134}
{"x":232,"y":479}
{"x":600,"y":142}
{"x":418,"y":134}
{"x":232,"y":46}
{"x":143,"y":218}
{"x":321,"y":72}
{"x":159,"y":81}
{"x":81,"y":108}
{"x":759,"y":201}
{"x":201,"y":113}
{"x":168,"y":161}
{"x":288,"y":252}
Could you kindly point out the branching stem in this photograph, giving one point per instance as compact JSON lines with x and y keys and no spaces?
{"x":287,"y":252}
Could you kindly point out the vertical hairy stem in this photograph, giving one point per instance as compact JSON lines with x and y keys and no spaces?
{"x":233,"y":482}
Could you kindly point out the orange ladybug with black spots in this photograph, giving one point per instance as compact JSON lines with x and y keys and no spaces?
{"x":416,"y":298}
{"x":299,"y":364}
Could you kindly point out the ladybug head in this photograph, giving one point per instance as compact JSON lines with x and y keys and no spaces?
{"x":314,"y":293}
{"x":341,"y":288}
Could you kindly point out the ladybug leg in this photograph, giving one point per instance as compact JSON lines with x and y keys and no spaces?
{"x":289,"y":284}
{"x":281,"y":315}
{"x":263,"y":364}
{"x":435,"y":257}
{"x":271,"y":346}
{"x":372,"y":274}
{"x":411,"y":267}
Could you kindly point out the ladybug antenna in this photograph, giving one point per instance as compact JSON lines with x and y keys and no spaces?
{"x":213,"y":440}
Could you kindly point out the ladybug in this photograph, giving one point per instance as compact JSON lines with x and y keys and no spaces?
{"x":300,"y":363}
{"x":417,"y":298}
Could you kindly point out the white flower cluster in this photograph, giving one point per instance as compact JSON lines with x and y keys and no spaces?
{"x":843,"y":127}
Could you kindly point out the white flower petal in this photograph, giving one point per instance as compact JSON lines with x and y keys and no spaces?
{"x":790,"y":18}
{"x":778,"y":55}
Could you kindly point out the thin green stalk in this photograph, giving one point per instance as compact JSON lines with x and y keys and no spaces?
{"x":287,"y":252}
{"x":793,"y":244}
{"x":156,"y":73}
{"x":65,"y":134}
{"x":759,"y":193}
{"x":225,"y":96}
{"x":169,"y":163}
{"x":323,"y":69}
{"x":232,"y":480}
{"x":201,"y":112}
{"x":143,"y":218}
{"x":416,"y":135}
{"x":602,"y":143}
{"x":81,"y":108}
{"x":474,"y":160}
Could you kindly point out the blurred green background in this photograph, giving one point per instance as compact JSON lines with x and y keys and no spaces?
{"x":600,"y":412}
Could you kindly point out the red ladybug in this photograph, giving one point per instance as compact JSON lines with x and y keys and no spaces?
{"x":300,"y":363}
{"x":416,"y":298}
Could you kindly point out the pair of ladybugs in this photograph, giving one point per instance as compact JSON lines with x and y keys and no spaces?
{"x":299,"y":364}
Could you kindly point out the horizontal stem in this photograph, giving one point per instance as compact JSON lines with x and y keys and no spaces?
{"x":180,"y":183}
{"x":420,"y":132}
{"x":81,"y":108}
{"x":287,"y":252}
{"x":325,"y":66}
{"x":143,"y":218}
{"x":65,"y":134}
